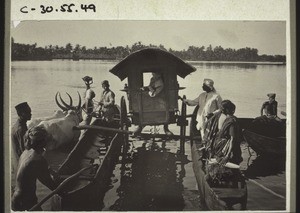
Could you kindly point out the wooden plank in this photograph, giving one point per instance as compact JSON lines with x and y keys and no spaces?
{"x":229,"y":193}
{"x":144,"y":135}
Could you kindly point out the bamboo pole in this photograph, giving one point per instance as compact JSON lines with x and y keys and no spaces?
{"x":83,"y":127}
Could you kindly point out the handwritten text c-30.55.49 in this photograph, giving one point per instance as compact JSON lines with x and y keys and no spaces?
{"x":64,"y":8}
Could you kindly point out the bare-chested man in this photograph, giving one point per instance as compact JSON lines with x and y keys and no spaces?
{"x":32,"y":166}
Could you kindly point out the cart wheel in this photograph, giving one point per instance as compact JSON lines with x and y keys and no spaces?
{"x":193,"y":124}
{"x":183,"y":123}
{"x":123,"y":114}
{"x":124,"y":123}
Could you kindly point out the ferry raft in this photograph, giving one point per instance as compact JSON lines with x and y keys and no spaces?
{"x":91,"y":162}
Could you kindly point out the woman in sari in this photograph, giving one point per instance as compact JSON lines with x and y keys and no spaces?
{"x":223,"y":135}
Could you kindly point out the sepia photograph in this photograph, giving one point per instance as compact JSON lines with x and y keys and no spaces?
{"x":137,"y":115}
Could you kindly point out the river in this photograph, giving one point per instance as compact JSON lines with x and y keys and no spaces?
{"x":246,"y":85}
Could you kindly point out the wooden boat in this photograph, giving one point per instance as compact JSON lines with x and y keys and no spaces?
{"x":99,"y":150}
{"x":264,"y":145}
{"x":232,"y":195}
{"x":217,"y":197}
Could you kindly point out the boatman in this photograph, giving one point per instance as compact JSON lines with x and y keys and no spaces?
{"x":88,"y":106}
{"x":18,"y":131}
{"x":155,"y":87}
{"x":268,"y":124}
{"x":32,"y":166}
{"x":269,"y":108}
{"x":107,"y":102}
{"x":208,"y":101}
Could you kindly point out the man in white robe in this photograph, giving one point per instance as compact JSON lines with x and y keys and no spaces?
{"x":209,"y":103}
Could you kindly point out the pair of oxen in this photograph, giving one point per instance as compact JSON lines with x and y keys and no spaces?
{"x":60,"y":125}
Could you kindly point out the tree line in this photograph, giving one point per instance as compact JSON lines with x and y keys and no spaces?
{"x":32,"y":52}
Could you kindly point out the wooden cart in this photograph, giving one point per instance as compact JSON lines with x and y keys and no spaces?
{"x":143,"y":109}
{"x":163,"y":108}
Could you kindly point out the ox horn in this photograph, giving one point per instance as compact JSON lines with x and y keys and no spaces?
{"x":58,"y":104}
{"x":71,"y":100}
{"x":79,"y":104}
{"x":64,"y":103}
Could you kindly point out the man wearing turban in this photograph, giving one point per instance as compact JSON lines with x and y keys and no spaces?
{"x":208,"y":101}
{"x":88,"y":105}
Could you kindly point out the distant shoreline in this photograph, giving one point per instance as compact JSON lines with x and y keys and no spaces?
{"x":188,"y":61}
{"x":238,"y":62}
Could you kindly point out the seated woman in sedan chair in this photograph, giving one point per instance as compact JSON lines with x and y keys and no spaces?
{"x":155,"y":87}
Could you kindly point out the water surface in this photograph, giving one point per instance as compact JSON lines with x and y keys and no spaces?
{"x":163,"y":180}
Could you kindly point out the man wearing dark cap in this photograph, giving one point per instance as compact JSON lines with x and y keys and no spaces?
{"x":88,"y":106}
{"x":19,"y":129}
{"x":269,"y":107}
{"x":107,"y":102}
{"x":208,"y":101}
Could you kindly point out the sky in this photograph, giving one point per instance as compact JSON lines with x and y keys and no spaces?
{"x":269,"y":37}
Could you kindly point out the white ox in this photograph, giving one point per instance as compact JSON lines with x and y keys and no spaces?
{"x":60,"y":129}
{"x":37,"y":121}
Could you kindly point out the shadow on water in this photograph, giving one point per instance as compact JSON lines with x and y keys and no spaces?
{"x":151,"y":182}
{"x":263,"y":166}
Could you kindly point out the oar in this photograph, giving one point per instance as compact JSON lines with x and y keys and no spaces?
{"x":81,"y":127}
{"x":59,"y":187}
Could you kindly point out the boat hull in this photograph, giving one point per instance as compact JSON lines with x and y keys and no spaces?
{"x":217,"y":198}
{"x":263,"y":145}
{"x":87,"y":191}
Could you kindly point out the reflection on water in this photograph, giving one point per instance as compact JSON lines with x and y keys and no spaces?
{"x":263,"y":166}
{"x":150,"y":182}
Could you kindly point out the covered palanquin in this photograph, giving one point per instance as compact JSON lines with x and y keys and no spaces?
{"x":144,"y":109}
